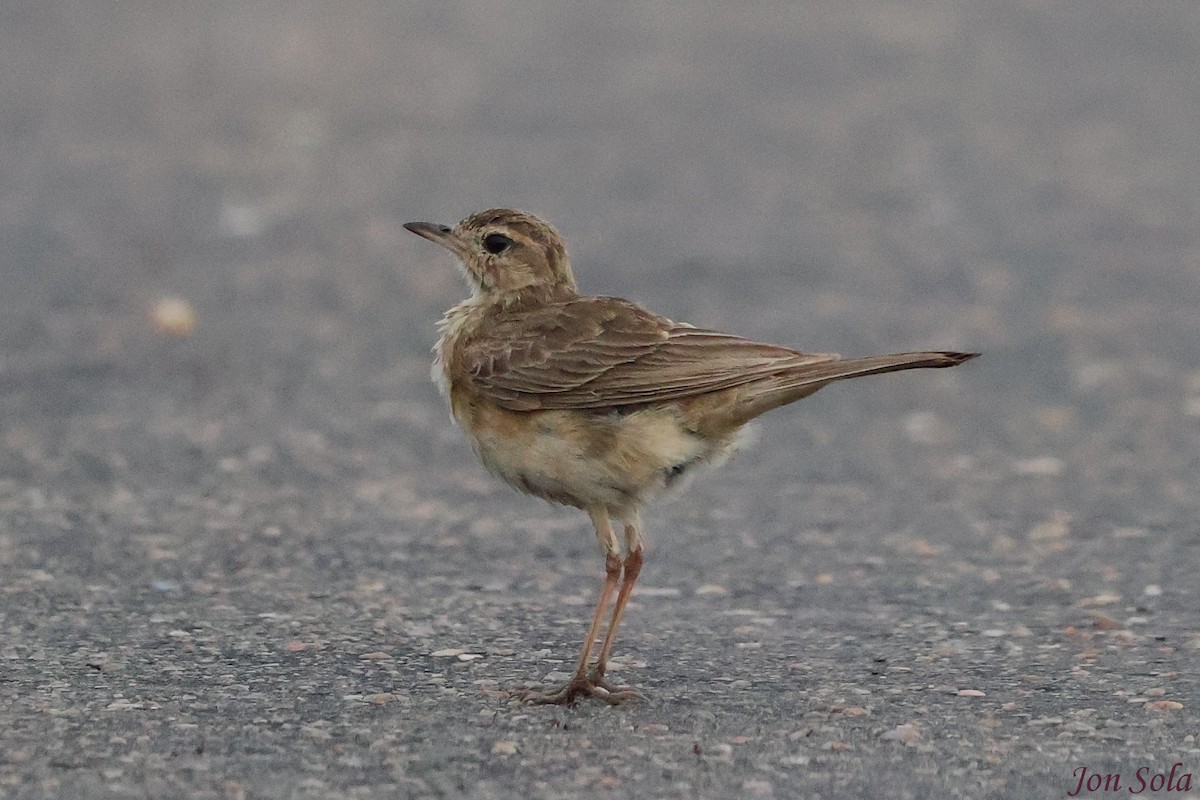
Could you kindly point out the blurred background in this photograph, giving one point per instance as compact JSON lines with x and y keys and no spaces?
{"x":1018,"y":178}
{"x":215,"y":333}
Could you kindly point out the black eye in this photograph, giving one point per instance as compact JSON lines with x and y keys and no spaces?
{"x":496,"y":243}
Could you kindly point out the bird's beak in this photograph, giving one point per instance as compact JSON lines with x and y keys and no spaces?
{"x":438,"y":234}
{"x":427,"y":230}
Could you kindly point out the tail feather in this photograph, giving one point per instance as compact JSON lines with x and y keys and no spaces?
{"x":799,"y":382}
{"x":844,"y":368}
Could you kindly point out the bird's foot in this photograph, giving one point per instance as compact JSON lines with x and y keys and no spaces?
{"x":591,"y":686}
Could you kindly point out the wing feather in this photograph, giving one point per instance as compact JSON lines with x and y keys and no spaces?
{"x":596,"y":352}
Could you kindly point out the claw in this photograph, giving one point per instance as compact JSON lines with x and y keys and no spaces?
{"x":624,"y":692}
{"x":592,"y":687}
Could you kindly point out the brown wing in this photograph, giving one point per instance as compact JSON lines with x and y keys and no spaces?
{"x":595,"y":352}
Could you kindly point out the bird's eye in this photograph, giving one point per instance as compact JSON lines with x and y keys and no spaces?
{"x":496,"y":243}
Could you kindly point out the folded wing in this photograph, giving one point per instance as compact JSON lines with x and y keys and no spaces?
{"x":598,"y":352}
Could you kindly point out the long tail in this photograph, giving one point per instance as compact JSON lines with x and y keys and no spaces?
{"x":873,"y":365}
{"x":799,"y":382}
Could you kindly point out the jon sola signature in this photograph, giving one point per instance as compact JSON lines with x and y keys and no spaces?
{"x":1145,"y":779}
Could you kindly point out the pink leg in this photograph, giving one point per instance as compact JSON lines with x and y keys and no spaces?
{"x":633,"y":566}
{"x":594,"y":684}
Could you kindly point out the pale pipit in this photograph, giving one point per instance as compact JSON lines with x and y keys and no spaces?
{"x":597,"y":403}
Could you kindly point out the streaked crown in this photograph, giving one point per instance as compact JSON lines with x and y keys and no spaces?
{"x":503,"y":250}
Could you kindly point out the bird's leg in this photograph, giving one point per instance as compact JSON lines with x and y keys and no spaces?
{"x":632,"y":568}
{"x":580,"y":682}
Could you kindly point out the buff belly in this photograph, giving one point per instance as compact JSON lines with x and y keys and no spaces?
{"x":604,"y":460}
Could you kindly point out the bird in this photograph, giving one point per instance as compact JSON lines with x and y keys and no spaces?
{"x":600,"y":404}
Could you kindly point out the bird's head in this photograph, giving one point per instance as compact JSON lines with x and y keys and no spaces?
{"x":505,"y":251}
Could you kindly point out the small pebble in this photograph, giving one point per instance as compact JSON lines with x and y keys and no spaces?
{"x":1044,"y":465}
{"x":173,"y":316}
{"x":1164,"y":705}
{"x":1058,"y":527}
{"x":658,"y":591}
{"x":906,"y":733}
{"x":1105,"y":599}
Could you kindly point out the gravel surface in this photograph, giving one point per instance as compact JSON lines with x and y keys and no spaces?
{"x":244,"y":554}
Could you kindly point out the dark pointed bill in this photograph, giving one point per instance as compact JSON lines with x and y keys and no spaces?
{"x":429,"y":230}
{"x":439,"y":234}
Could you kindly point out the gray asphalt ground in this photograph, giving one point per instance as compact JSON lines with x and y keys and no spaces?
{"x":257,"y":561}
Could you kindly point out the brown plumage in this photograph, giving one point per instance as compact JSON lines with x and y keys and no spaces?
{"x":597,"y":403}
